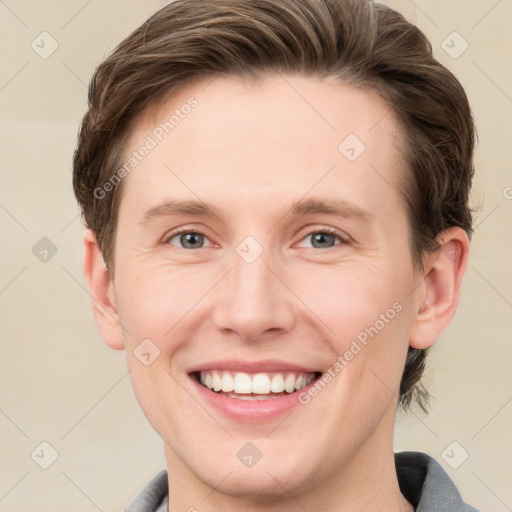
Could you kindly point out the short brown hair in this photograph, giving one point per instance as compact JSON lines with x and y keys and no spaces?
{"x":358,"y":41}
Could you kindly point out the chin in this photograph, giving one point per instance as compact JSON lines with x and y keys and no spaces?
{"x":268,"y":480}
{"x":258,"y":486}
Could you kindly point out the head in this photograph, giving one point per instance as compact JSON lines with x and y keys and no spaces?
{"x":255,"y":116}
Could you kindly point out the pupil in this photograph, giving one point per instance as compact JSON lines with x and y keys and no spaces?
{"x":191,"y":240}
{"x":323,"y":240}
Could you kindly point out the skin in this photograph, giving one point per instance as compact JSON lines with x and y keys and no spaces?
{"x":251,"y":151}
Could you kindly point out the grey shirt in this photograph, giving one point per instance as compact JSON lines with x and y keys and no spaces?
{"x":422,"y":480}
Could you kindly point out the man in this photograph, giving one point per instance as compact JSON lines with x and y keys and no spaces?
{"x":276,"y":197}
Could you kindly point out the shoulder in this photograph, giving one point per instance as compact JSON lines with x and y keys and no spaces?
{"x":152,"y":497}
{"x":426,"y":484}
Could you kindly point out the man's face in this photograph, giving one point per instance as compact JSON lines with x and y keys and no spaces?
{"x":294,"y":255}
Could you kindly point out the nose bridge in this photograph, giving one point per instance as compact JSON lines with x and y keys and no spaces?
{"x":253,"y":280}
{"x":253,"y":301}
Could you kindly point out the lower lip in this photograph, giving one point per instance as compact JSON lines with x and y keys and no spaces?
{"x":250,"y":411}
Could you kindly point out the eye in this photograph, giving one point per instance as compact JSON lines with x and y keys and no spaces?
{"x":189,"y":240}
{"x":321,"y":240}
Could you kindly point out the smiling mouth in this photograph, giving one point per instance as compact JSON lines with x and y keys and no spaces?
{"x":254,"y":386}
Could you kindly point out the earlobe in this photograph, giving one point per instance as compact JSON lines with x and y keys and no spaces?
{"x":102,"y":292}
{"x":439,"y":293}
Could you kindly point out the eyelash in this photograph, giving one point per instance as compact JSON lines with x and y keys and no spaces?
{"x":329,"y":231}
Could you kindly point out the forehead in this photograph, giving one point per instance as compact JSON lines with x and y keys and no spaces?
{"x":231,"y":139}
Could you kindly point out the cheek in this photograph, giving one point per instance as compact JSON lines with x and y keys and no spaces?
{"x":153,"y":302}
{"x":158,"y":307}
{"x":349,"y":299}
{"x":367,"y":321}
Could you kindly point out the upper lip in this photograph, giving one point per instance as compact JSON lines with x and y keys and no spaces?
{"x":267,"y":365}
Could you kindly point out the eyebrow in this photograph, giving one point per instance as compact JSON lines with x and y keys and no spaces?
{"x":189,"y":208}
{"x":339,"y":207}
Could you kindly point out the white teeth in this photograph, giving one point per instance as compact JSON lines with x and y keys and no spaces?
{"x":216,"y":381}
{"x":227,"y":382}
{"x":260,"y":383}
{"x":242,"y":384}
{"x":289,"y":383}
{"x":277,"y":384}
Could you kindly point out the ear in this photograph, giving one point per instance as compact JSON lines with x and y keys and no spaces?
{"x":438,"y":295}
{"x":101,"y":289}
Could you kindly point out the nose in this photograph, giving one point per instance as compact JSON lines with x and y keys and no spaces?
{"x":253,"y":301}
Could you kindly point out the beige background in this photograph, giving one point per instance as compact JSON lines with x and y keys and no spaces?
{"x":59,"y":383}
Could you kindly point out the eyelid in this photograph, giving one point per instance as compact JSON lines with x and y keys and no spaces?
{"x":305,"y":232}
{"x":184,"y":229}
